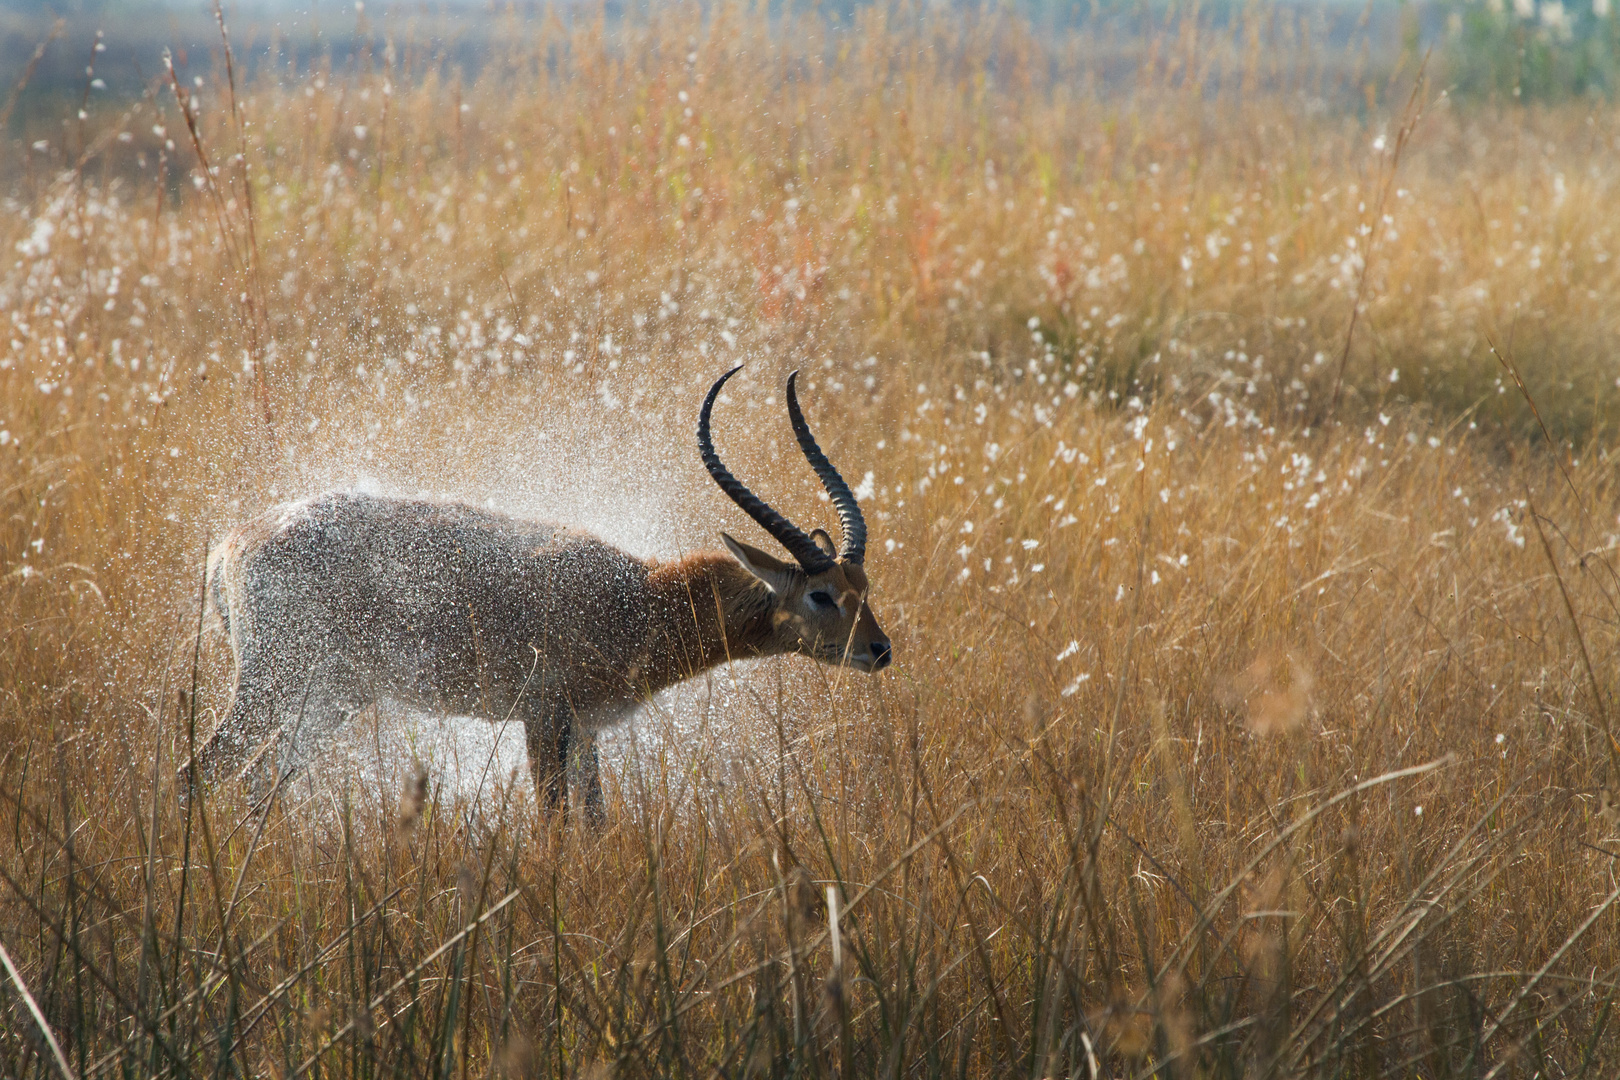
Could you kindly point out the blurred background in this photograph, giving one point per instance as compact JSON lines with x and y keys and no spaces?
{"x":1527,"y":50}
{"x":1232,"y":389}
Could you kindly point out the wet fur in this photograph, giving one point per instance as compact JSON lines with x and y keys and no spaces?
{"x":339,"y":601}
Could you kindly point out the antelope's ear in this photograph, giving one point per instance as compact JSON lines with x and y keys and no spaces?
{"x":824,"y":542}
{"x":776,"y":574}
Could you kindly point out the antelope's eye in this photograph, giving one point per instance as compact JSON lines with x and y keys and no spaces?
{"x":822,"y":600}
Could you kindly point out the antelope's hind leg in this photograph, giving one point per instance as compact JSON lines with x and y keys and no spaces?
{"x":248,"y":722}
{"x":276,"y":712}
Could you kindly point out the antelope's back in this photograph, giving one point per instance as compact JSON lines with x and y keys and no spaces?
{"x":441,"y":603}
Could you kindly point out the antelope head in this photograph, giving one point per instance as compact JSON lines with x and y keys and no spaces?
{"x":819,"y":600}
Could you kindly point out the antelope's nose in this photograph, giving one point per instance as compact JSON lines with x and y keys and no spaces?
{"x":882,"y":655}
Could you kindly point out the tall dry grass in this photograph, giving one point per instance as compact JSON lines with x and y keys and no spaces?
{"x":1232,"y":732}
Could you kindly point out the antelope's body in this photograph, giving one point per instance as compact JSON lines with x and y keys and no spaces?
{"x":346,"y":599}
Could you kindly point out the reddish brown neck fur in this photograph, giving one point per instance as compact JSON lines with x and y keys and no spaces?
{"x":705,"y":611}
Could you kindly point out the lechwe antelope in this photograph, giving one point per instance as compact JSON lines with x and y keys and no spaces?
{"x":345,"y":599}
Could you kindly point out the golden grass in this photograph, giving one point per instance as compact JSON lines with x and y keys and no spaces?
{"x":1229,"y":733}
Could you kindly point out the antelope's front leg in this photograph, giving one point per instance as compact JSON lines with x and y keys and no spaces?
{"x":588,"y":774}
{"x":548,"y":736}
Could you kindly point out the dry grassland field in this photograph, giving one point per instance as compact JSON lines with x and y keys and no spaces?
{"x":1233,"y":410}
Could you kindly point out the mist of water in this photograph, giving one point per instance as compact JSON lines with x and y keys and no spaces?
{"x":629,"y":475}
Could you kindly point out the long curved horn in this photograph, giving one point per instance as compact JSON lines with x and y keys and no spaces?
{"x":799,"y":545}
{"x":851,"y":523}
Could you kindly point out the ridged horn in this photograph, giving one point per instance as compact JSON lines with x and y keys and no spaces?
{"x":798,"y":543}
{"x":851,"y":523}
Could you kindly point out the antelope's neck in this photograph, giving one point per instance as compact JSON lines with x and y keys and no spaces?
{"x":705,"y":610}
